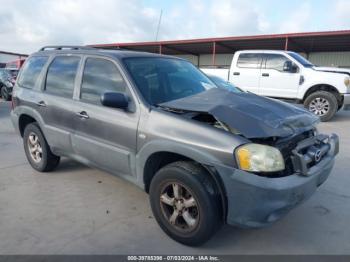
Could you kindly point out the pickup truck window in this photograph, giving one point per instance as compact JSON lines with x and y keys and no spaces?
{"x":61,"y":76}
{"x":275,"y":61}
{"x":31,"y":71}
{"x":100,"y":76}
{"x":249,"y":60}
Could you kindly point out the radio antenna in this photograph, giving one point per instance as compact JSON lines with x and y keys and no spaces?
{"x":159,"y":21}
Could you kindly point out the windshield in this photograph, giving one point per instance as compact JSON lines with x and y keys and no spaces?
{"x":301,"y":59}
{"x":222,"y":83}
{"x":162,"y":80}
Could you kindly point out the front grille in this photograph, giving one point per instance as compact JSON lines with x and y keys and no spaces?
{"x":310,"y":152}
{"x":286,"y":146}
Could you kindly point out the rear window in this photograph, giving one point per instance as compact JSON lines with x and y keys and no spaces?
{"x":249,"y":60}
{"x":31,"y":71}
{"x":61,"y":76}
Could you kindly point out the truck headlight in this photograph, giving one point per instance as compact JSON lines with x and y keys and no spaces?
{"x":347,"y":81}
{"x":259,"y":158}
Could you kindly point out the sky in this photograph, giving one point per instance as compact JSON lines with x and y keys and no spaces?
{"x":27,"y":25}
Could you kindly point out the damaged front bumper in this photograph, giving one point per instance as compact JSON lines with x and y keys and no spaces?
{"x":254,"y":201}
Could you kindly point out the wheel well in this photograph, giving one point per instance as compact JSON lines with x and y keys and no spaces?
{"x":160,"y":159}
{"x":156,"y":161}
{"x":324,"y":87}
{"x":23,"y":121}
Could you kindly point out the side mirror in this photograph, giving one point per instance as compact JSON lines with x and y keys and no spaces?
{"x":115,"y":100}
{"x":290,"y":67}
{"x":287,"y":66}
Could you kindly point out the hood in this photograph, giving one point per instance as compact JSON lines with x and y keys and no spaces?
{"x":252,"y":115}
{"x":332,"y":70}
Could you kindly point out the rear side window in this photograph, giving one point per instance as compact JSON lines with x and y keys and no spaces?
{"x":275,"y":61}
{"x":249,"y":60}
{"x":61,"y":76}
{"x":100,"y":76}
{"x":31,"y":71}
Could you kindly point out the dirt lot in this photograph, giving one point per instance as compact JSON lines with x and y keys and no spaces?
{"x":78,"y":210}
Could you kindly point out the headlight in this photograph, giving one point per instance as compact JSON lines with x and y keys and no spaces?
{"x":347,"y":81}
{"x":259,"y":158}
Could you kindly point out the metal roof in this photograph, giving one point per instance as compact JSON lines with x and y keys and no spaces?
{"x":299,"y":42}
{"x":11,"y":53}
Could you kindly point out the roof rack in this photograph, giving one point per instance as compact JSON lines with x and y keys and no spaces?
{"x":66,"y":47}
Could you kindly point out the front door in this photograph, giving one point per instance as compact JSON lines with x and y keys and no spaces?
{"x":275,"y":82}
{"x":105,"y":137}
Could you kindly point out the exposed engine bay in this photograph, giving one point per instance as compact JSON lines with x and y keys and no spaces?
{"x":261,"y":120}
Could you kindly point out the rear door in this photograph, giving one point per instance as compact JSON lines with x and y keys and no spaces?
{"x":274,"y":81}
{"x":56,"y":104}
{"x":246,"y":73}
{"x":105,"y":137}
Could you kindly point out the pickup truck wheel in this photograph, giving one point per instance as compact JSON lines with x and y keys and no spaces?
{"x":185,"y":203}
{"x":323,"y":104}
{"x":37,"y":150}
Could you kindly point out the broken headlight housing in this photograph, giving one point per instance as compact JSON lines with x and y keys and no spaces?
{"x":259,"y":158}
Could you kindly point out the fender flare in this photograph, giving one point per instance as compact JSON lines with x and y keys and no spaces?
{"x":170,"y":147}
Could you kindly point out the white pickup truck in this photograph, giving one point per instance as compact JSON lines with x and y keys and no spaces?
{"x":289,"y":76}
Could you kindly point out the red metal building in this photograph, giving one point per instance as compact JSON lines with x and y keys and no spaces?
{"x":306,"y":43}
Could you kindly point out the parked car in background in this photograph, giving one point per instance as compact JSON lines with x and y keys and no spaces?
{"x":7,"y":81}
{"x":205,"y":155}
{"x":289,"y":76}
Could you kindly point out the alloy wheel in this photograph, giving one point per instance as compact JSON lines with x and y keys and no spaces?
{"x":179,"y":207}
{"x":319,"y":106}
{"x":34,"y":146}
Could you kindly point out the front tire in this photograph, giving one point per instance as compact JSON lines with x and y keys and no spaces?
{"x":323,"y":104}
{"x":37,"y":150}
{"x":185,"y":203}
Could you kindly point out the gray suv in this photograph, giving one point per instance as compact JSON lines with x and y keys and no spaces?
{"x":206,"y":155}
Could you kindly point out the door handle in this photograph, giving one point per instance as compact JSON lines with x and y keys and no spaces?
{"x":236,"y":73}
{"x":83,"y":115}
{"x":265,"y":74}
{"x":41,"y":103}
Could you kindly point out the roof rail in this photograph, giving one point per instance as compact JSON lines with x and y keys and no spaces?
{"x":66,"y":47}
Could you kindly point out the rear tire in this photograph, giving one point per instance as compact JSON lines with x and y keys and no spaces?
{"x":37,"y":150}
{"x":323,"y":104}
{"x":191,"y":216}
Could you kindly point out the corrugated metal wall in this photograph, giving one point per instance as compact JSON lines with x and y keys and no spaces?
{"x":192,"y":58}
{"x":338,"y":59}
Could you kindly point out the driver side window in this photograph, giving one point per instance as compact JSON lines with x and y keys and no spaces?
{"x":275,"y":61}
{"x":100,"y":76}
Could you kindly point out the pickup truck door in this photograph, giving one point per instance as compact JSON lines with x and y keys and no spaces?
{"x":275,"y":81}
{"x":245,"y":74}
